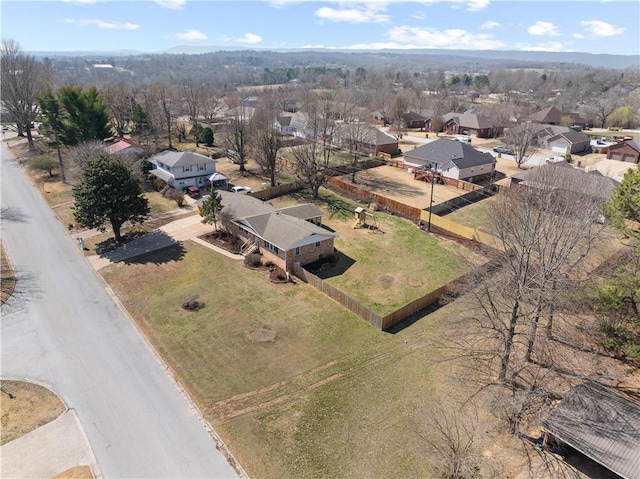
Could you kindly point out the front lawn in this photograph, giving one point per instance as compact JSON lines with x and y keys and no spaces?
{"x":211,"y":348}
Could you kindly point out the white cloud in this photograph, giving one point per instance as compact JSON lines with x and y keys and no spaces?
{"x":250,"y":39}
{"x":473,"y":5}
{"x":85,"y":22}
{"x":489,"y":25}
{"x":543,"y":28}
{"x":191,"y":35}
{"x":171,"y":4}
{"x":542,"y":47}
{"x":601,"y":29}
{"x":369,"y":13}
{"x":406,"y":37}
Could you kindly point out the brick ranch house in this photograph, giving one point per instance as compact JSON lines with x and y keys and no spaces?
{"x":627,"y":151}
{"x":283,"y":236}
{"x":453,"y":159}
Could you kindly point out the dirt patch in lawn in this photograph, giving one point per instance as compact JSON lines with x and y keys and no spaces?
{"x":223,"y":240}
{"x":78,"y":472}
{"x":25,"y":407}
{"x":260,"y":335}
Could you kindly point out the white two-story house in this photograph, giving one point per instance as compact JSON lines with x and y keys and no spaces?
{"x":180,"y":169}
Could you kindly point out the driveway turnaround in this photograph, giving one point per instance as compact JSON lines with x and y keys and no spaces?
{"x":62,"y":329}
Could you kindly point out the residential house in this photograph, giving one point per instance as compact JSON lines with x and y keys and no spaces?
{"x":180,"y":169}
{"x":600,"y":424}
{"x":365,"y":138}
{"x":613,"y":169}
{"x":470,"y":124}
{"x":283,"y":124}
{"x":125,"y":147}
{"x":562,"y":139}
{"x":283,"y":236}
{"x":627,"y":151}
{"x":413,"y":120}
{"x":564,"y":176}
{"x":453,"y":159}
{"x":553,"y":116}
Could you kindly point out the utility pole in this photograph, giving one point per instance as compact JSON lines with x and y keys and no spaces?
{"x":431,"y":201}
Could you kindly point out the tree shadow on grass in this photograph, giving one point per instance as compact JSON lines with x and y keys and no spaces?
{"x":141,"y":248}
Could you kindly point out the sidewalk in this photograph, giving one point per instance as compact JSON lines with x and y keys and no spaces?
{"x":188,"y":228}
{"x":49,"y":450}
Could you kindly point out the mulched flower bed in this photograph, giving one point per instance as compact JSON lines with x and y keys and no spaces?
{"x":223,"y":240}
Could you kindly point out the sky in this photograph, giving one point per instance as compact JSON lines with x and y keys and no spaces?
{"x":152,"y":26}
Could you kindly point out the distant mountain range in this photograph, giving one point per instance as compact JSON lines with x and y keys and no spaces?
{"x":580,"y":58}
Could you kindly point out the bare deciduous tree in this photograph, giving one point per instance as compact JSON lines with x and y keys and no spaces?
{"x":119,"y":100}
{"x":22,"y":78}
{"x":265,"y":138}
{"x":522,"y":140}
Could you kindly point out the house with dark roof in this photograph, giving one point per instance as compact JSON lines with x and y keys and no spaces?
{"x":366,"y":138}
{"x":282,"y":235}
{"x":180,"y":169}
{"x":413,"y":120}
{"x":562,"y":139}
{"x":627,"y":151}
{"x":601,"y":424}
{"x":453,"y":159}
{"x":470,"y":124}
{"x":563,"y":176}
{"x":553,"y":116}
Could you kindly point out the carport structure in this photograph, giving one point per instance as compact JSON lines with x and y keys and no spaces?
{"x":601,"y":424}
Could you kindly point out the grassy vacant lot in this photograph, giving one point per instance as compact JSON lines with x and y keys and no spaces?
{"x":32,"y":406}
{"x":475,"y":215}
{"x":329,"y":397}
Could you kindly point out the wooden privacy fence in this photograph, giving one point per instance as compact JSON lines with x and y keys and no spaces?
{"x":461,"y":230}
{"x":373,"y":318}
{"x":334,"y":293}
{"x":367,"y":196}
{"x":276,"y":191}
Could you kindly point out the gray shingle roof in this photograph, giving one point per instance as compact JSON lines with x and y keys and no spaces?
{"x":285,"y":228}
{"x":182,"y":158}
{"x":284,"y":231}
{"x":601,"y":424}
{"x":443,"y":151}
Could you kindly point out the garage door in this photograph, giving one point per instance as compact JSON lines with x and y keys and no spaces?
{"x":616,"y":156}
{"x":559,"y":149}
{"x":629,"y":158}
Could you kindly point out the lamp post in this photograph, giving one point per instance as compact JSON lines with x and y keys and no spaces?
{"x":431,"y":201}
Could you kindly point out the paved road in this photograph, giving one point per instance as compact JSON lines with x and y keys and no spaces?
{"x":61,"y":328}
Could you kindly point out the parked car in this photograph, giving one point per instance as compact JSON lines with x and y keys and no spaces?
{"x":192,"y":191}
{"x":554,"y":159}
{"x":241,"y":190}
{"x":502,"y":149}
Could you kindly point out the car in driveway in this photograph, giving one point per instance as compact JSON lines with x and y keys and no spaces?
{"x":502,"y":150}
{"x":192,"y":191}
{"x":242,"y":190}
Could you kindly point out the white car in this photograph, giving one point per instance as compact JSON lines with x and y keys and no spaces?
{"x":554,"y":159}
{"x":241,"y":190}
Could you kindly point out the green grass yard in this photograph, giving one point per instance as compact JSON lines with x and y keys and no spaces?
{"x":330,"y":397}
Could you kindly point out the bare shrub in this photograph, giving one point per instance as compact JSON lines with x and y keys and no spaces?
{"x":175,"y":195}
{"x":253,"y":260}
{"x":192,"y":303}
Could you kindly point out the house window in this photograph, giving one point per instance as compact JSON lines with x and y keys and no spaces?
{"x":271,"y":247}
{"x":202,"y":167}
{"x":318,"y":244}
{"x":186,"y":168}
{"x":297,"y":250}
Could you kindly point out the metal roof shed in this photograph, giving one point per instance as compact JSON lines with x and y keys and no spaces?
{"x":601,"y":424}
